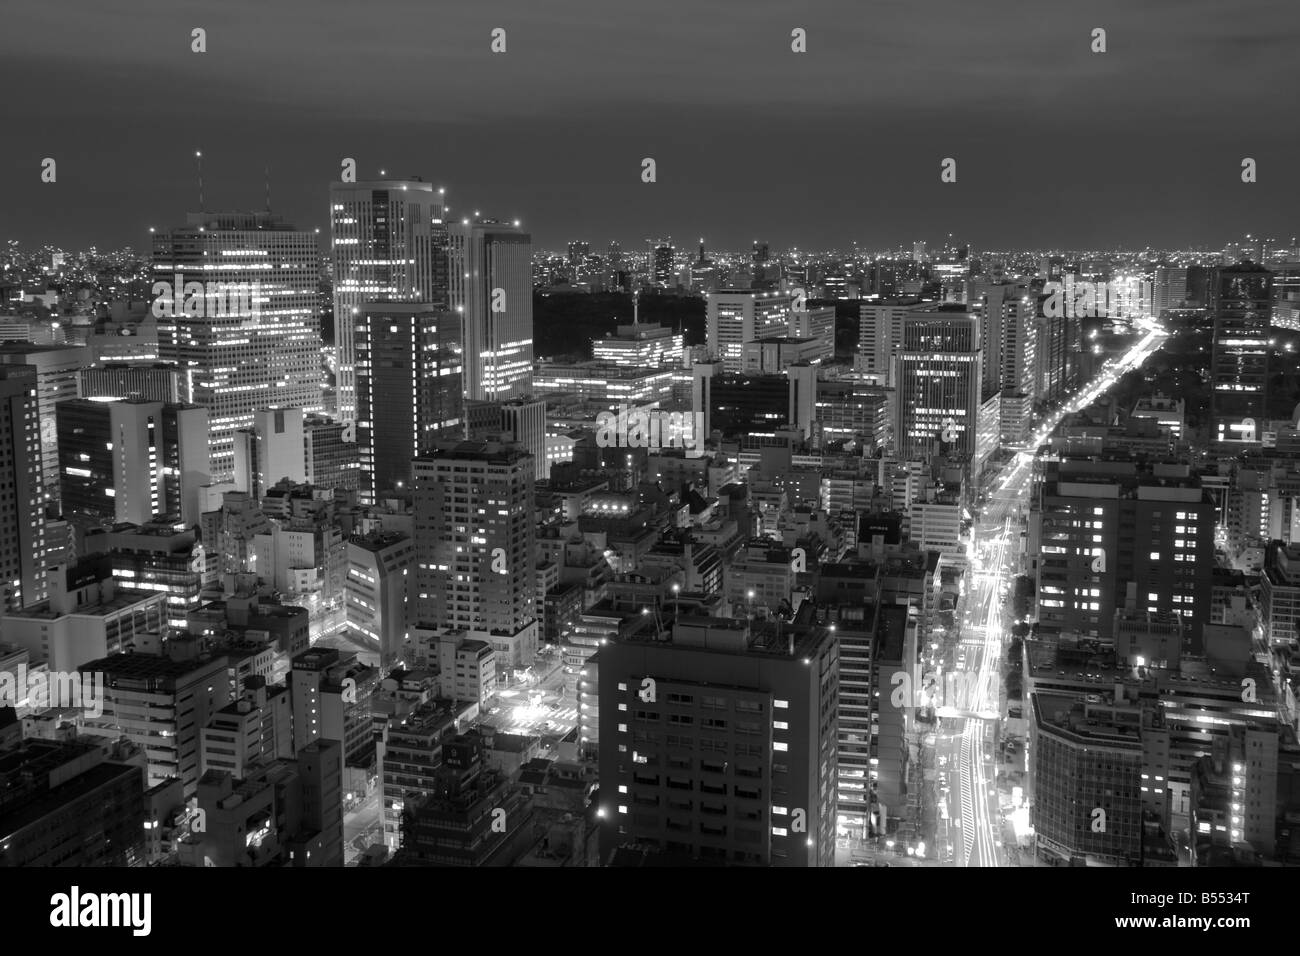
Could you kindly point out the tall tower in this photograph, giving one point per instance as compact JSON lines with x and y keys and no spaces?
{"x":937,"y":380}
{"x":491,"y":284}
{"x":22,"y":518}
{"x":409,"y":388}
{"x":474,"y":541}
{"x":1241,"y":302}
{"x":389,"y":245}
{"x":252,"y":338}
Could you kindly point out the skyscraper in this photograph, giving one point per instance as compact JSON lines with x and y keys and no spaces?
{"x":22,"y":514}
{"x":389,"y":245}
{"x":409,"y":373}
{"x":880,"y":332}
{"x":249,"y":337}
{"x":491,"y":283}
{"x":937,"y":379}
{"x":1169,"y":289}
{"x":56,"y":381}
{"x":1241,"y":302}
{"x":659,"y":263}
{"x":1006,"y":311}
{"x":1109,"y":534}
{"x":474,"y":535}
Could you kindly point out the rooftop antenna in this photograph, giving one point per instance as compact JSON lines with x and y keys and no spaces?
{"x":198,"y":157}
{"x":267,"y":171}
{"x":636,"y":301}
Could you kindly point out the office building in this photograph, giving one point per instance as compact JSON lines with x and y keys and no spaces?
{"x":491,"y":281}
{"x":389,"y":245}
{"x":87,"y":616}
{"x":331,"y":693}
{"x":1169,"y":290}
{"x":161,"y":705}
{"x":937,"y":384}
{"x":122,"y":380}
{"x":252,"y":339}
{"x":65,"y":805}
{"x":272,"y":450}
{"x":661,"y":263}
{"x":409,"y":380}
{"x":474,"y":540}
{"x":333,"y":460}
{"x":1279,"y":585}
{"x":1112,"y":535}
{"x":813,"y":324}
{"x":131,"y":460}
{"x":734,"y":317}
{"x":1088,"y":762}
{"x":56,"y":381}
{"x":880,"y":333}
{"x":22,"y":511}
{"x":1241,"y":304}
{"x":381,"y":573}
{"x":639,"y":345}
{"x":746,"y":773}
{"x":256,"y":728}
{"x":603,"y":384}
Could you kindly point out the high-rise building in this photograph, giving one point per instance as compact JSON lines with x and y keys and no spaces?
{"x":332,"y":457}
{"x":747,"y":772}
{"x":474,"y":545}
{"x":1111,"y":536}
{"x":272,"y":450}
{"x":252,"y":338}
{"x":409,"y":372}
{"x":390,"y":245}
{"x":381,"y":568}
{"x":1241,"y":302}
{"x":1280,"y":594}
{"x":132,"y":460}
{"x":56,"y":367}
{"x":1286,"y":295}
{"x":22,"y":513}
{"x":880,"y":332}
{"x":1169,"y":290}
{"x":491,"y":282}
{"x":523,"y":421}
{"x":937,"y":375}
{"x":1006,"y":311}
{"x":660,"y":262}
{"x":735,"y":317}
{"x":157,"y":383}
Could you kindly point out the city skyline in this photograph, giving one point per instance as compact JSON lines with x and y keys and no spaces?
{"x":1115,"y":143}
{"x":434,"y":497}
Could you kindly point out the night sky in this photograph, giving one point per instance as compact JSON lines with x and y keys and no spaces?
{"x":1055,"y":145}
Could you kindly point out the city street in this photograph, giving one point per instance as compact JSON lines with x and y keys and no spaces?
{"x":544,"y":706}
{"x":362,"y":827}
{"x":970,"y":829}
